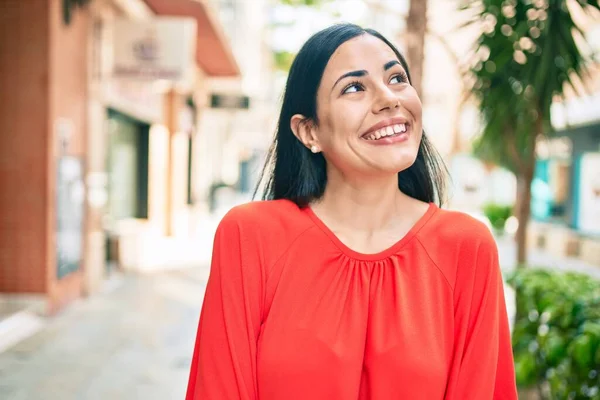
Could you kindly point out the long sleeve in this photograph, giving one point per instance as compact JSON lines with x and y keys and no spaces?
{"x":224,"y":358}
{"x":482,"y":366}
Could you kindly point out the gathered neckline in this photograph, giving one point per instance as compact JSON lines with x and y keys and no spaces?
{"x":381,"y":254}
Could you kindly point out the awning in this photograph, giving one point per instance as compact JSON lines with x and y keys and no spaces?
{"x":213,"y":53}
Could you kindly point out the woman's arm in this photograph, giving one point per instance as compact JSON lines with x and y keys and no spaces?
{"x":482,"y":366}
{"x":224,"y":359}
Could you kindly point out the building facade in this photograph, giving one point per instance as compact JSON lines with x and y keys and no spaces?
{"x":92,"y":160}
{"x":240,"y":121}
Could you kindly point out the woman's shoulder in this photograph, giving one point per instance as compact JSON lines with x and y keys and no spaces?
{"x":268,"y":218}
{"x":459,"y":244}
{"x":265,"y":229}
{"x":457,"y":228}
{"x":261,"y":212}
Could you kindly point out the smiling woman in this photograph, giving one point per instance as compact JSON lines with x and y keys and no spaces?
{"x":347,"y":281}
{"x":323,"y":74}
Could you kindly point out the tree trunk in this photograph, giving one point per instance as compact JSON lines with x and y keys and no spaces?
{"x":530,"y":393}
{"x":523,"y":212}
{"x":523,"y":201}
{"x":416,"y":26}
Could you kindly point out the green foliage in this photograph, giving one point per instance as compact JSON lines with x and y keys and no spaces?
{"x":525,"y":55}
{"x":497,"y":214}
{"x":283,"y":60}
{"x":302,"y":2}
{"x":556,"y":337}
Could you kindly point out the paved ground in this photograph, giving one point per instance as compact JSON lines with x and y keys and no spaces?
{"x":536,"y":258}
{"x":133,"y":342}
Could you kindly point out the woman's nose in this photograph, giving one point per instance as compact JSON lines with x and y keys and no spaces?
{"x":385,"y":99}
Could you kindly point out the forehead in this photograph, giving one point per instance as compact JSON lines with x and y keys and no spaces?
{"x":363,"y":52}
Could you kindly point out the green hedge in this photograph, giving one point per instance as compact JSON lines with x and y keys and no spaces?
{"x":556,"y":336}
{"x":497,"y":214}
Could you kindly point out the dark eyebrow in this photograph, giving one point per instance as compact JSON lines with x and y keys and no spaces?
{"x":390,"y":64}
{"x":363,"y":72}
{"x":359,"y":73}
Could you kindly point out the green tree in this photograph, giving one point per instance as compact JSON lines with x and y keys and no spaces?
{"x":301,"y":2}
{"x":282,"y":59}
{"x":525,"y":56}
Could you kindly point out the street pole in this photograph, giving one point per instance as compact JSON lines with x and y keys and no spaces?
{"x":171,"y":108}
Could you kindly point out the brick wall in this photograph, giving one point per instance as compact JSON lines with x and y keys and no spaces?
{"x":43,"y":77}
{"x":68,"y":100}
{"x":24,"y":57}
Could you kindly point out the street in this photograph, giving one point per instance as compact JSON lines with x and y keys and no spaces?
{"x":131,"y":342}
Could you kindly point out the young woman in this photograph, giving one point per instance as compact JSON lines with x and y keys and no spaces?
{"x":348,"y":281}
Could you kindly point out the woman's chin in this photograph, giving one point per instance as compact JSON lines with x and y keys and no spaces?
{"x":387,"y":169}
{"x":394,"y":164}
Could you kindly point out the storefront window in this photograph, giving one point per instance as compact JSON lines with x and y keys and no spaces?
{"x":550,"y":190}
{"x":127,"y":167}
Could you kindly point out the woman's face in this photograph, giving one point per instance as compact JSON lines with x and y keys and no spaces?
{"x":369,"y":115}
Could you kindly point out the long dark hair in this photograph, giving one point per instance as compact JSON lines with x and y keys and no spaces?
{"x":292,"y":171}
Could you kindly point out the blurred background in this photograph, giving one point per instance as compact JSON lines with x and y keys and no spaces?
{"x":129,"y":127}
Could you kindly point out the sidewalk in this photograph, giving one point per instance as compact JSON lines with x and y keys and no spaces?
{"x":134,"y":342}
{"x":507,"y":252}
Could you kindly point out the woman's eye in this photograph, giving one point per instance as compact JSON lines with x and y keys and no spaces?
{"x":397,"y":79}
{"x":352,"y":88}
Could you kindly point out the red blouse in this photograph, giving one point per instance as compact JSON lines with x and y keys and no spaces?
{"x":290,"y":312}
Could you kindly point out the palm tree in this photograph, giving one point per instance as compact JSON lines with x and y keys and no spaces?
{"x":525,"y":56}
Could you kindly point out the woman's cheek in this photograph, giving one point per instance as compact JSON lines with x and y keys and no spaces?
{"x":350,"y":119}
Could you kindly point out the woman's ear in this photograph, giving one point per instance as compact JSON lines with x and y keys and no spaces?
{"x":304,"y":130}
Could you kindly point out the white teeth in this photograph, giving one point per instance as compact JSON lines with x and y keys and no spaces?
{"x":387,"y":131}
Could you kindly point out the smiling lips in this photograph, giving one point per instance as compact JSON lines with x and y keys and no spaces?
{"x":387,"y":131}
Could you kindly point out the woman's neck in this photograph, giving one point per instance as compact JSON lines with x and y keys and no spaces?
{"x":366,"y":206}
